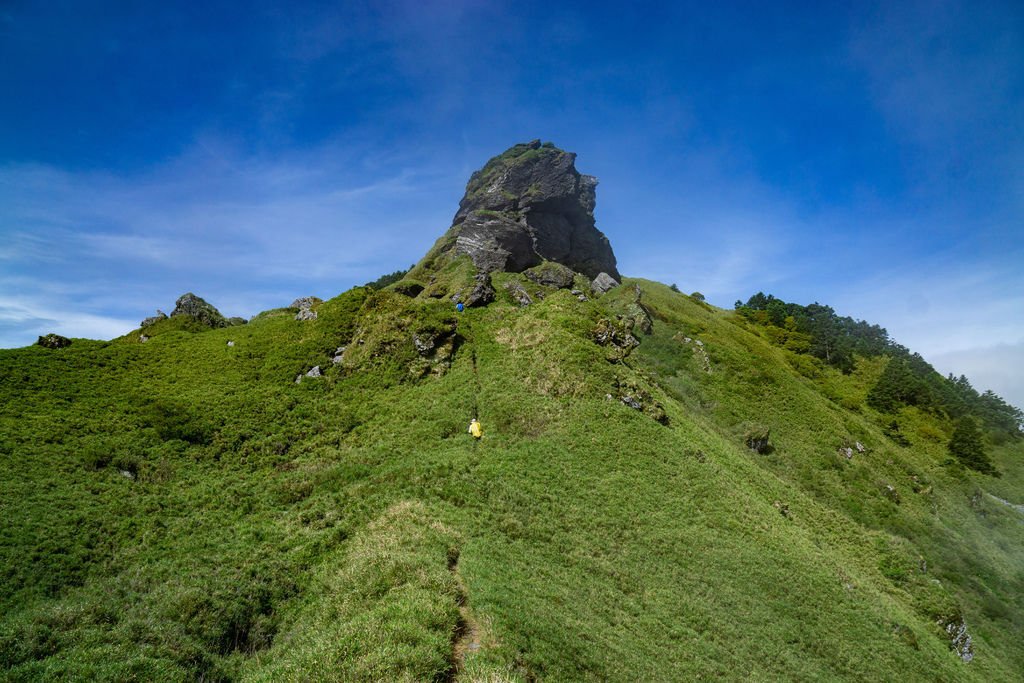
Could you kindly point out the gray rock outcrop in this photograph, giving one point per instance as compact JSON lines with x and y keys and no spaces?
{"x":53,"y":341}
{"x":519,"y":294}
{"x":616,"y":335}
{"x":160,"y":315}
{"x":197,"y":308}
{"x":305,"y":305}
{"x":638,"y":312}
{"x":527,"y":206}
{"x":482,"y":293}
{"x":602,"y":283}
{"x":960,"y":640}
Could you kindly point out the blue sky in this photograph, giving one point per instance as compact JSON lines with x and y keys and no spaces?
{"x":868,"y":156}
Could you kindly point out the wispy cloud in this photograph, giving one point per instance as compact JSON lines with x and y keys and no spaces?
{"x":988,"y":367}
{"x":246,"y":231}
{"x":22,"y":319}
{"x":723,"y":263}
{"x":946,"y":76}
{"x":963,"y":317}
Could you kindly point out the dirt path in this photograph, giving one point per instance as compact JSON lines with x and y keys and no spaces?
{"x":466,"y":638}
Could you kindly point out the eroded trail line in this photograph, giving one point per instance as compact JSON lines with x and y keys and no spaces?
{"x":476,"y":384}
{"x":466,"y":637}
{"x":469,"y":341}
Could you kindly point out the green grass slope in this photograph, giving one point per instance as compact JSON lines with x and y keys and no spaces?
{"x":182,"y":509}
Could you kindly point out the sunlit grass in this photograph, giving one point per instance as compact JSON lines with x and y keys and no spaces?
{"x":182,"y":509}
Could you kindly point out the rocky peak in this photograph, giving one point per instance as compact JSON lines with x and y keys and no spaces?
{"x":529,"y":205}
{"x":196,"y":307}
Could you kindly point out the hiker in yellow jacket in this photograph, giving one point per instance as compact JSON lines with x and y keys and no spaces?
{"x":475,"y":429}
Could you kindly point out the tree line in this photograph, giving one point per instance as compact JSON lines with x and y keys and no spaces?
{"x":908,"y":379}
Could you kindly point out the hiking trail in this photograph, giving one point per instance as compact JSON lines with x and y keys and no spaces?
{"x":466,"y":637}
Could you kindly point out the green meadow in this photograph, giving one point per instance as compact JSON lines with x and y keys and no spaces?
{"x":182,"y":509}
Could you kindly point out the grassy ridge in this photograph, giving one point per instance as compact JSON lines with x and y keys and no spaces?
{"x":181,"y":508}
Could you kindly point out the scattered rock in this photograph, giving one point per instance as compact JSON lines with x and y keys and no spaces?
{"x":305,"y":305}
{"x":617,"y":336}
{"x":782,"y":508}
{"x":641,"y":317}
{"x":53,"y":341}
{"x":160,"y":315}
{"x":298,"y":378}
{"x":846,"y":452}
{"x":519,"y":294}
{"x":198,"y":309}
{"x":143,"y":338}
{"x":698,"y":350}
{"x":631,"y":394}
{"x":603,"y":283}
{"x":424,"y":342}
{"x":890,"y":492}
{"x":436,"y":348}
{"x":231,"y":343}
{"x":959,"y":639}
{"x":638,"y":312}
{"x":306,"y":302}
{"x":860,"y":447}
{"x":631,"y":402}
{"x":128,"y":474}
{"x":314,"y":372}
{"x":338,"y":355}
{"x":483,"y":292}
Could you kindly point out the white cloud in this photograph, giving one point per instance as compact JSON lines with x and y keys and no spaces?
{"x":247,"y":234}
{"x":22,"y":320}
{"x":994,"y":367}
{"x":939,"y":306}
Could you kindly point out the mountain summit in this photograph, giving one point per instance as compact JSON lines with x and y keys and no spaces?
{"x":526,"y":206}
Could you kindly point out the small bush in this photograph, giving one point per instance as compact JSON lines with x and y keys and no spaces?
{"x":96,"y":457}
{"x":174,"y":421}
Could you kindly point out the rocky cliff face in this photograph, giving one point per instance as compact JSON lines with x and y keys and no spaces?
{"x":530,"y":205}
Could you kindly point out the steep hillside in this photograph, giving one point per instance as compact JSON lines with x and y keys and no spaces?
{"x":182,"y":508}
{"x":663,"y":490}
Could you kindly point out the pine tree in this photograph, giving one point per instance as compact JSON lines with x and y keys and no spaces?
{"x":969,"y":448}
